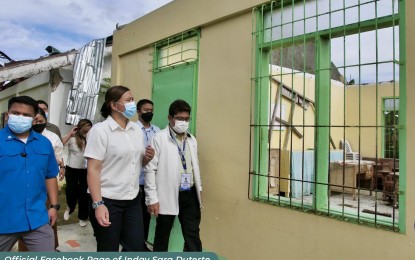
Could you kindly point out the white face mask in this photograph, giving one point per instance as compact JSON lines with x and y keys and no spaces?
{"x":180,"y":127}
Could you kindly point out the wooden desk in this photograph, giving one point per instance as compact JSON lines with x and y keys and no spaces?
{"x":391,"y":188}
{"x":344,"y":175}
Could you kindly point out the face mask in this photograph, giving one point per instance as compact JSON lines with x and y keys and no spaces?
{"x":19,"y":124}
{"x":39,"y":128}
{"x":130,"y":109}
{"x":147,"y":116}
{"x":180,"y":127}
{"x":47,"y":115}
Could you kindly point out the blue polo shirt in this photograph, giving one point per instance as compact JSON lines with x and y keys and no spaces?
{"x":23,"y":171}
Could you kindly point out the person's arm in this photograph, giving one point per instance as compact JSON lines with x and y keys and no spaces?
{"x":150,"y":185}
{"x":68,"y":136}
{"x":94,"y":185}
{"x":58,"y":132}
{"x":148,"y":155}
{"x":50,"y":182}
{"x":58,"y":149}
{"x":52,"y":190}
{"x":62,"y":169}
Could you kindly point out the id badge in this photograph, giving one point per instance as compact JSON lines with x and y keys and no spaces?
{"x":185,"y":182}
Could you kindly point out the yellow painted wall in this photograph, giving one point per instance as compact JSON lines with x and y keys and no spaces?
{"x":305,"y":85}
{"x":134,"y":72}
{"x":366,"y":108}
{"x":370,"y":101}
{"x":232,"y":225}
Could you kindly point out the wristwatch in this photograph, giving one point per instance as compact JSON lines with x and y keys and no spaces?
{"x":57,"y":206}
{"x":97,"y":204}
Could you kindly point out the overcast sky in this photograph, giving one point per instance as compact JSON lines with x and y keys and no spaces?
{"x":27,"y":27}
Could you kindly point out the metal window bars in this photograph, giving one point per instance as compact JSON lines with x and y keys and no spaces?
{"x":334,"y":61}
{"x":174,"y":51}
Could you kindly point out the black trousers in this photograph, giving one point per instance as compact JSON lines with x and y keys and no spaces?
{"x":76,"y":191}
{"x":146,"y":215}
{"x":126,"y":227}
{"x":189,"y":217}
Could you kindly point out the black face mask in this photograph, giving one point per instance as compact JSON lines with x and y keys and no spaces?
{"x":39,"y":127}
{"x":147,"y":116}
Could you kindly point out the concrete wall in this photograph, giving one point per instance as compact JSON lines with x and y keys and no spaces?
{"x":36,"y":87}
{"x":366,"y":108}
{"x":232,"y":225}
{"x":305,"y":85}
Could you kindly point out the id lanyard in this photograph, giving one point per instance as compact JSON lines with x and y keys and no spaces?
{"x":145,"y":132}
{"x":181,"y":152}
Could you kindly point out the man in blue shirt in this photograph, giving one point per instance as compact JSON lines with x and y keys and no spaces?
{"x":28,"y":171}
{"x":145,"y":110}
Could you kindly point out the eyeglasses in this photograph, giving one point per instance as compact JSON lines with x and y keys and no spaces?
{"x":187,"y":119}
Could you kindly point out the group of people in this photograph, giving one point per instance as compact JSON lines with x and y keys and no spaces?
{"x":119,"y":172}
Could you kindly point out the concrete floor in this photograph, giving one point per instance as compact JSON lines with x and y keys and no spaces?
{"x":364,"y":201}
{"x":74,"y":238}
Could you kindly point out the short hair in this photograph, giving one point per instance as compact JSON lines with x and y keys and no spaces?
{"x":43,"y":103}
{"x":113,"y":94}
{"x":179,"y":105}
{"x":142,"y":102}
{"x":42,"y":113}
{"x":24,"y":100}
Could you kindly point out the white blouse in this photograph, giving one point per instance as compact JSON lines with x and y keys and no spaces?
{"x":76,"y":157}
{"x":121,"y":152}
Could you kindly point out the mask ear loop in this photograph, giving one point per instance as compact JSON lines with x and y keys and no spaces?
{"x":116,"y":108}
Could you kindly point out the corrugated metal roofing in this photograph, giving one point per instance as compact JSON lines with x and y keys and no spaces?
{"x":87,"y":74}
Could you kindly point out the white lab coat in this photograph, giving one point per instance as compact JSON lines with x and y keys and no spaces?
{"x":163,"y":175}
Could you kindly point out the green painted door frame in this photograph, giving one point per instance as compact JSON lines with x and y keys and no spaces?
{"x":171,"y":84}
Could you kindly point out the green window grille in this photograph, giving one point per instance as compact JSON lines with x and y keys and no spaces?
{"x":390,"y":133}
{"x":324,"y":75}
{"x":177,"y":50}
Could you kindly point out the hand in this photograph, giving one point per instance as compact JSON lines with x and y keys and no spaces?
{"x":102,"y":216}
{"x":62,"y":173}
{"x":53,"y":215}
{"x":153,"y":209}
{"x":74,"y":130}
{"x":149,"y":153}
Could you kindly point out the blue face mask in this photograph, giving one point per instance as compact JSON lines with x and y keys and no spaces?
{"x":130,"y":109}
{"x":19,"y":124}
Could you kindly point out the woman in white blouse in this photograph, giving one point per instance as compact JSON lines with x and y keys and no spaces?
{"x":76,"y":183}
{"x":116,"y":153}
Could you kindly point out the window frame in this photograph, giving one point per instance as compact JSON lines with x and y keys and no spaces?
{"x":261,"y":52}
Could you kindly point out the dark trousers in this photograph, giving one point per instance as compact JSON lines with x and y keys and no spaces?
{"x":76,"y":191}
{"x":126,"y":227}
{"x":189,"y":217}
{"x":146,"y":215}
